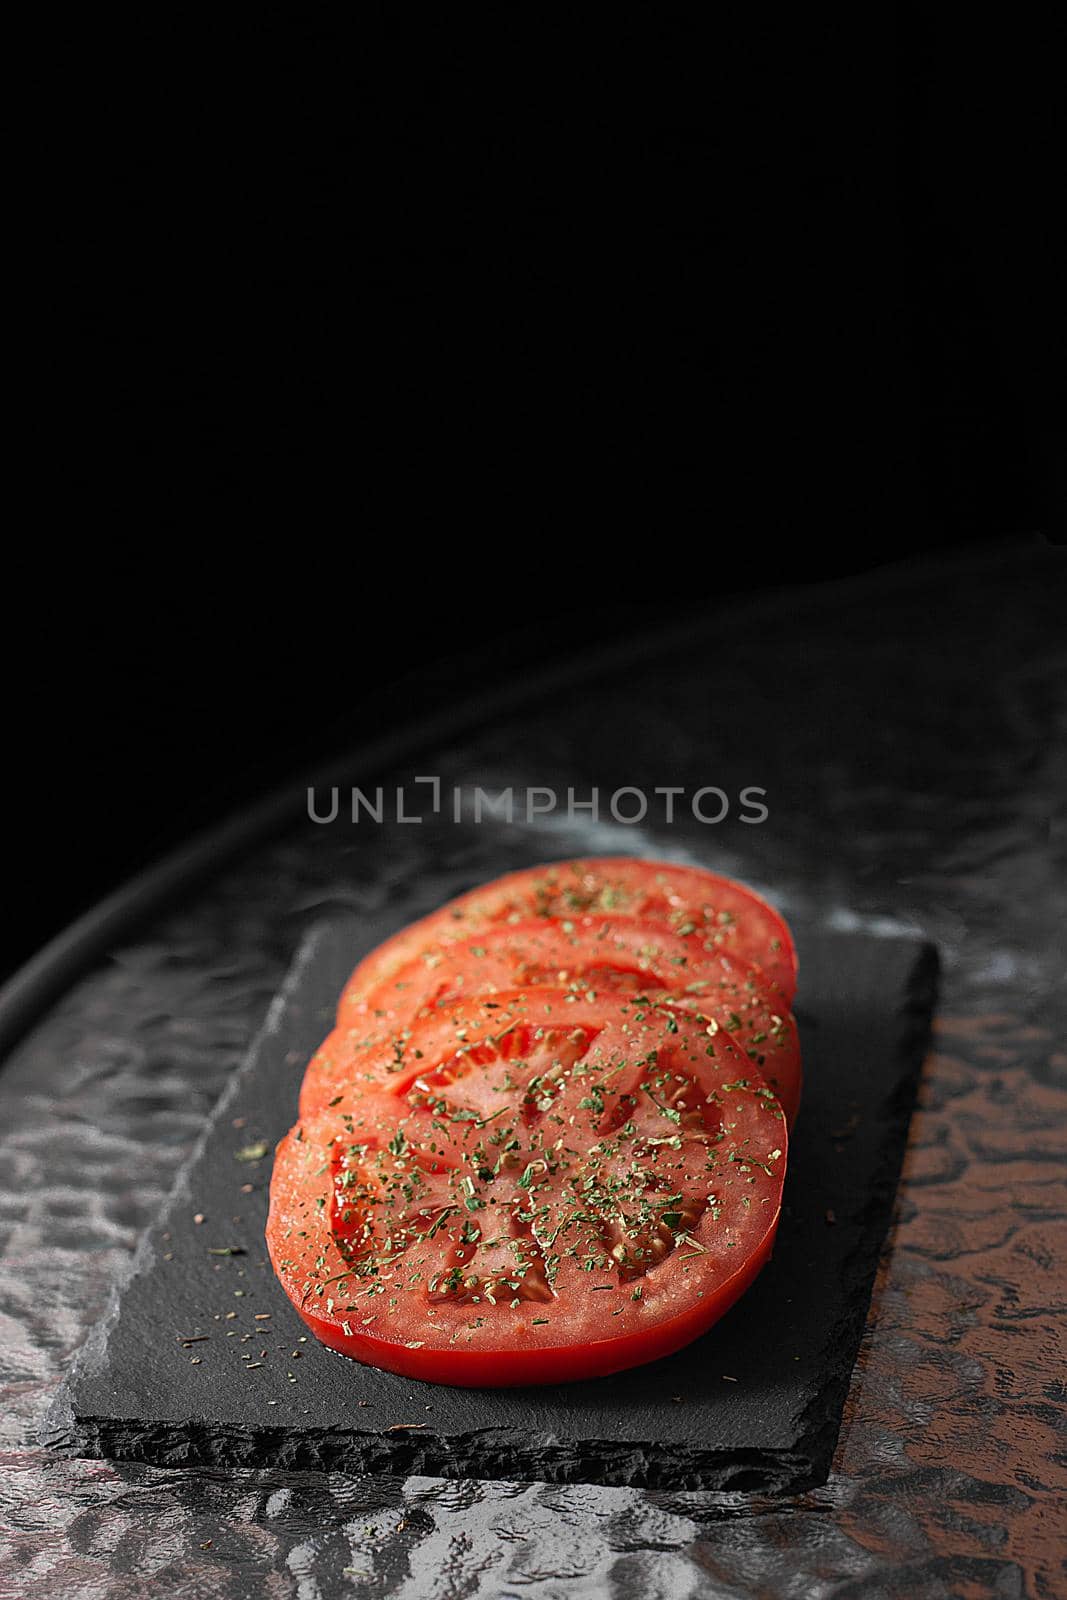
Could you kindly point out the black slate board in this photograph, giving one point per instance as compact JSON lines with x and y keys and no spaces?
{"x":754,"y":1405}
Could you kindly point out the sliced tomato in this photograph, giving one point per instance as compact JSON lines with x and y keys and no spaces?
{"x":587,"y":955}
{"x":725,"y":916}
{"x":350,"y":1064}
{"x":549,"y":1190}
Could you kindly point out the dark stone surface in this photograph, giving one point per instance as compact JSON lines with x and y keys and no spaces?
{"x":911,"y":732}
{"x":754,"y":1405}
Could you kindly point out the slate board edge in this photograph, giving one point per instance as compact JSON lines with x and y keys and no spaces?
{"x":60,"y":1430}
{"x":819,"y":1440}
{"x":521,"y":1458}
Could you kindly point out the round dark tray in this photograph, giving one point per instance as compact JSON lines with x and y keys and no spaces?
{"x":907,"y":739}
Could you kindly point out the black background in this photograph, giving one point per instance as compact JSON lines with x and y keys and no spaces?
{"x":497,"y":353}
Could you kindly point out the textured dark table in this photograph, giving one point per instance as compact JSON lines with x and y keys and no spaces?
{"x":912,"y":736}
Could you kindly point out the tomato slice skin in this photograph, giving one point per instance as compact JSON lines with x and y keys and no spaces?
{"x":545,"y":1189}
{"x":590,"y":955}
{"x":729,"y":916}
{"x":480,"y":1369}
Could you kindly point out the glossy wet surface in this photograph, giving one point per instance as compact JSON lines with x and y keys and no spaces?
{"x":912,"y":742}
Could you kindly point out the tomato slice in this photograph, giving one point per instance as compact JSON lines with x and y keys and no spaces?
{"x":544,"y":1190}
{"x":725,"y":916}
{"x":587,"y":955}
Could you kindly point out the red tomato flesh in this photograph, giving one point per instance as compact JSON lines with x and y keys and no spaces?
{"x":723,"y":915}
{"x":541,"y":1187}
{"x":587,"y":955}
